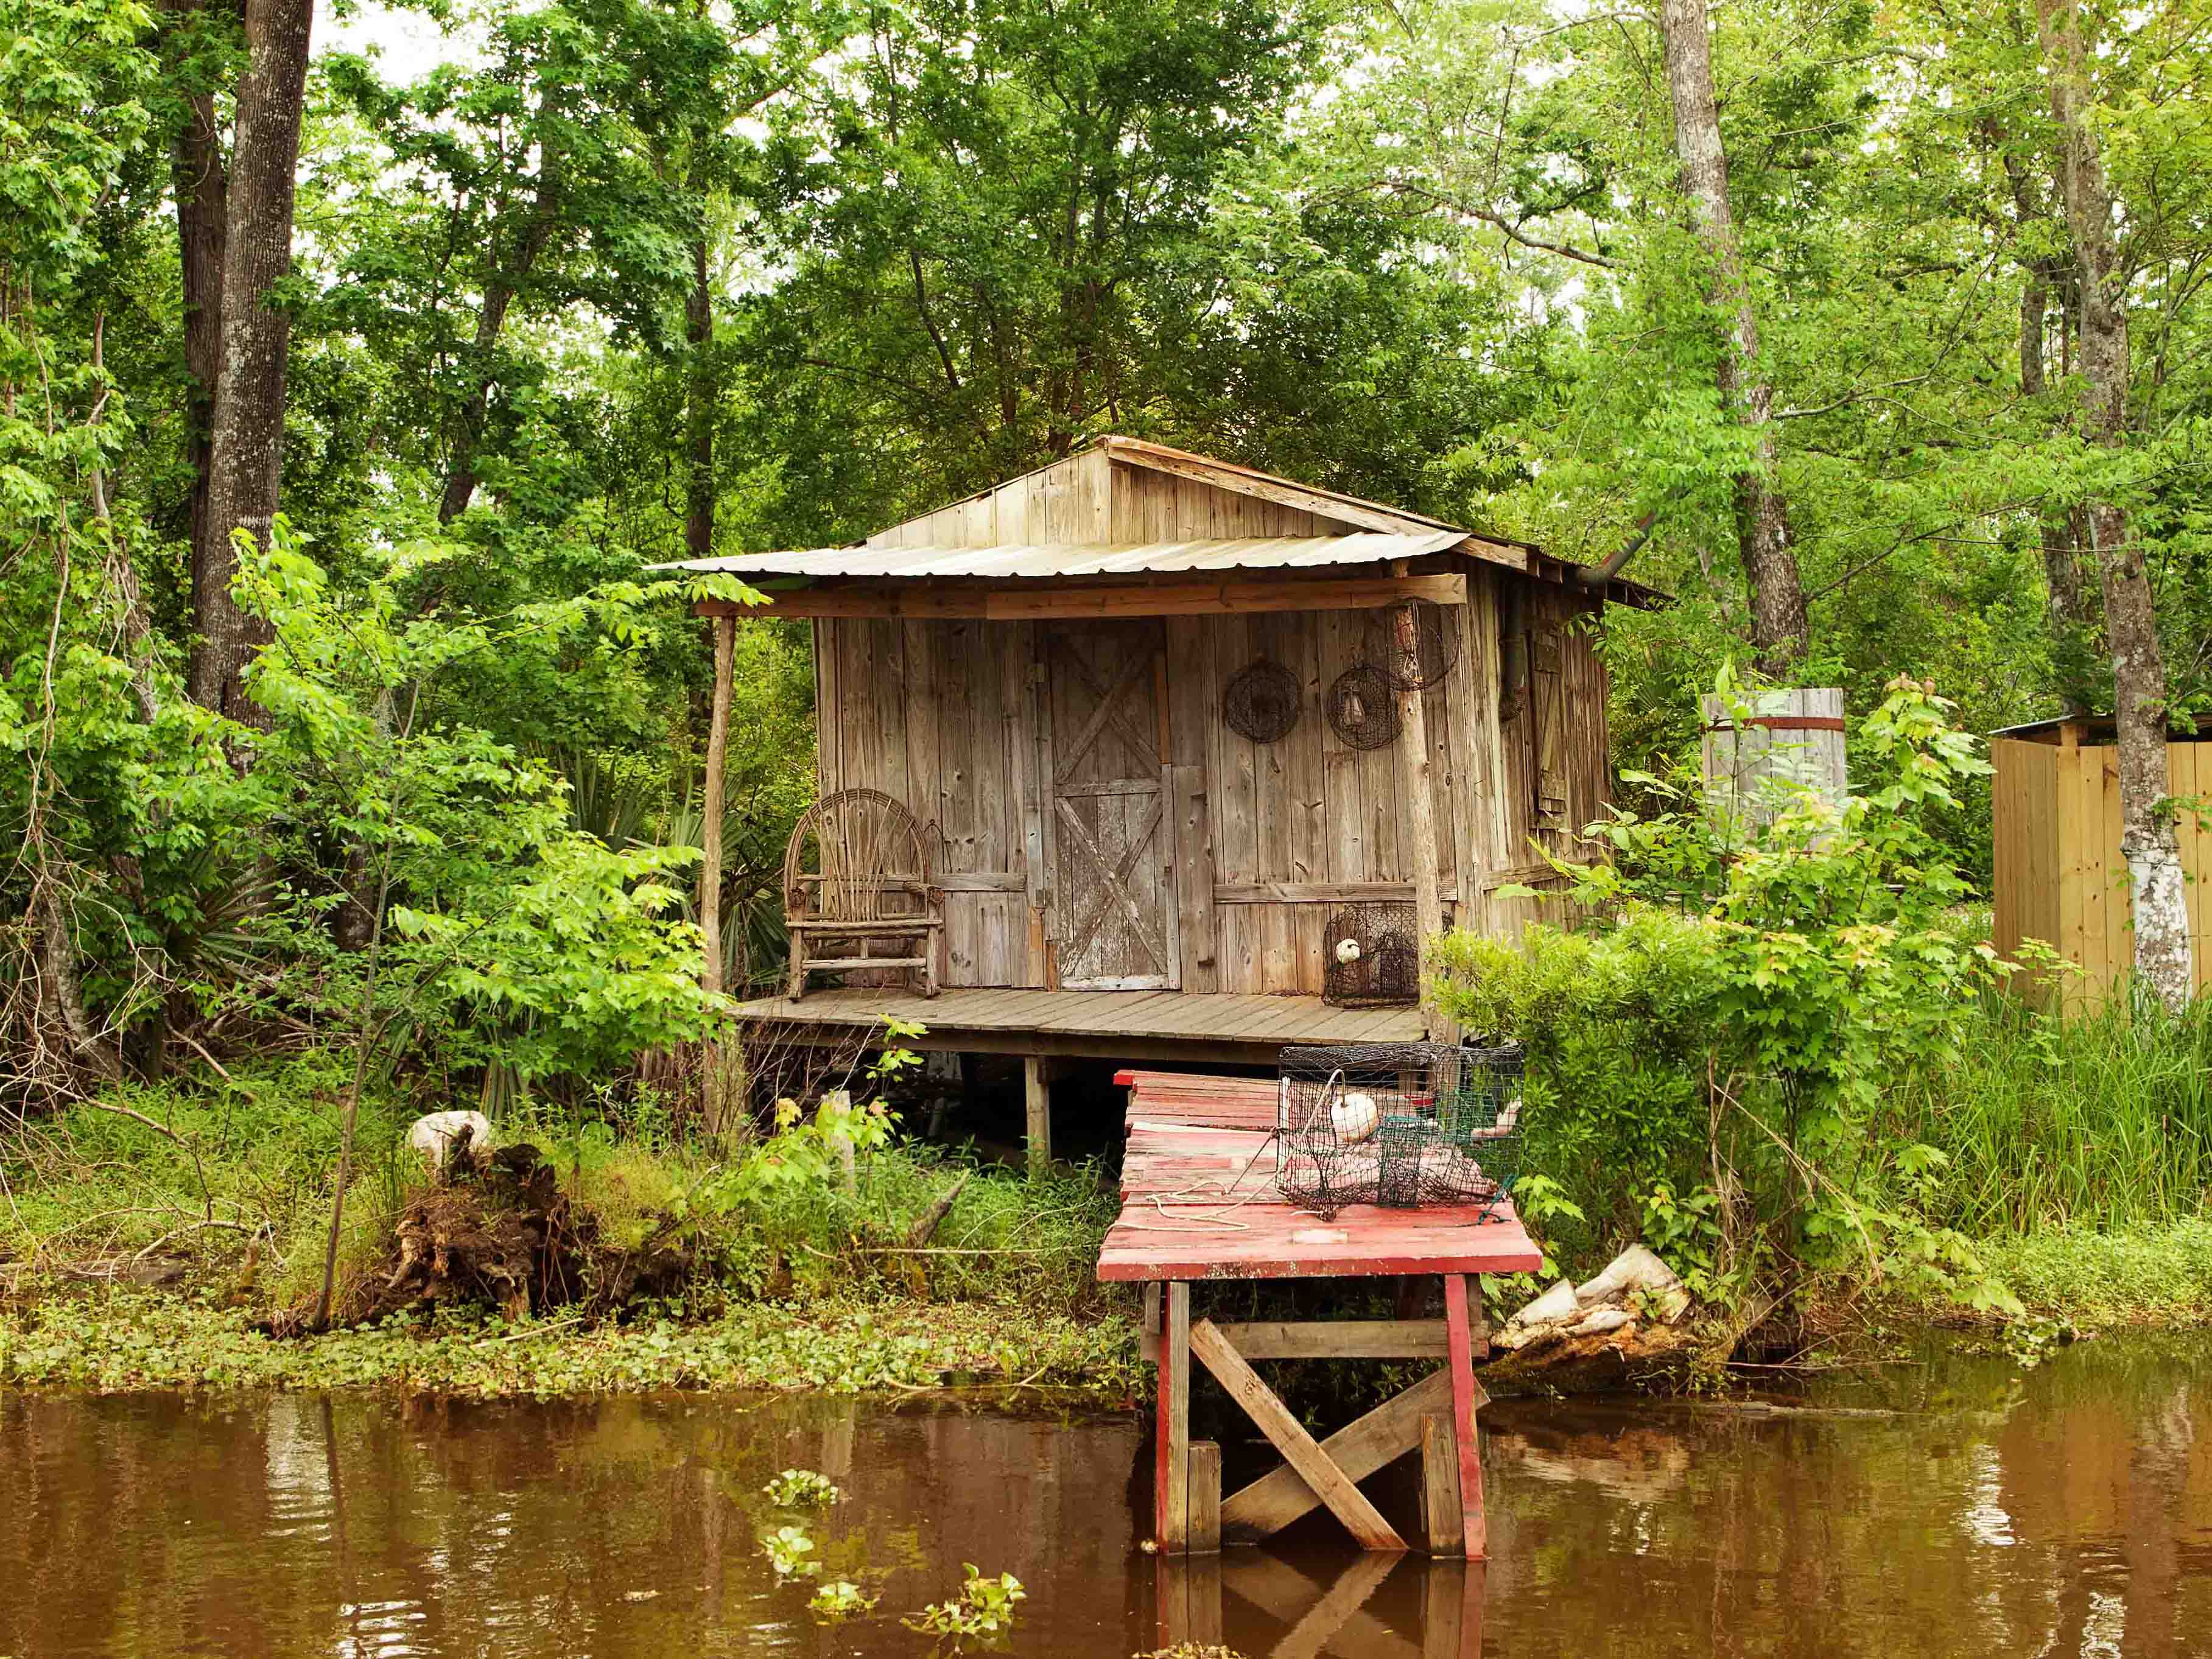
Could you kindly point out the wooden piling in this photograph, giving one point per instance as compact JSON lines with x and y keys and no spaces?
{"x":716,"y":1083}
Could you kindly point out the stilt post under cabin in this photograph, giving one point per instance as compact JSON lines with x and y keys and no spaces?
{"x":1037,"y":1094}
{"x":1421,"y":809}
{"x":710,"y":874}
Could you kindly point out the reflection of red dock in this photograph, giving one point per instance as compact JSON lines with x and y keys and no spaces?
{"x":1198,"y":1202}
{"x":1318,"y":1618}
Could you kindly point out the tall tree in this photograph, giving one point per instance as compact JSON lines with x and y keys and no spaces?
{"x":245,"y":445}
{"x":2147,"y":836}
{"x":2049,"y":287}
{"x":200,"y":180}
{"x":702,"y":400}
{"x":1781,"y":628}
{"x":1014,"y":225}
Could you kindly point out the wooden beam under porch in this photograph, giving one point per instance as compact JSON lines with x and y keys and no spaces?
{"x":1134,"y":1027}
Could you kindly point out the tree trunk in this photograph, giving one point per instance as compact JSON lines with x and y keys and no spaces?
{"x":196,"y":164}
{"x":499,"y":293}
{"x":701,"y":399}
{"x":1780,"y":630}
{"x":247,"y":445}
{"x":2148,"y":838}
{"x":468,"y":427}
{"x":2069,"y":603}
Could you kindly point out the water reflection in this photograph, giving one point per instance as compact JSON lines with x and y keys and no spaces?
{"x":1952,"y":1509}
{"x":1277,"y":1610}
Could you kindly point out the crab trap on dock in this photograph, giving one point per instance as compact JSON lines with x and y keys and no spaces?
{"x":1399,"y":1124}
{"x":1371,"y":955}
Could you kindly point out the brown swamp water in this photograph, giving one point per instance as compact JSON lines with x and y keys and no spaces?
{"x":2068,"y":1511}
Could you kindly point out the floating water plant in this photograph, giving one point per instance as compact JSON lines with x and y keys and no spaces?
{"x":984,"y":1607}
{"x":838,"y":1599}
{"x":801,"y":1489}
{"x":788,"y":1549}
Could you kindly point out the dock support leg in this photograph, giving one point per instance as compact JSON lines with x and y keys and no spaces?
{"x":1444,"y":1522}
{"x":1460,"y":1340}
{"x":1171,"y":1475}
{"x":1036,"y":1086}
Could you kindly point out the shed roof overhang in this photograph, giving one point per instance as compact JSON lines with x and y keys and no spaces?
{"x":1037,"y":582}
{"x":949,"y":562}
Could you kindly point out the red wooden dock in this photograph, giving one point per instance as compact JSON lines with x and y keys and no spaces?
{"x":1198,"y":1202}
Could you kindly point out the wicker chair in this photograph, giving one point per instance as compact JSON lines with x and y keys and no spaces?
{"x":857,"y":890}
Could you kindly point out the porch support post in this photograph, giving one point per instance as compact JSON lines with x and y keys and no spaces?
{"x":1421,"y":808}
{"x":1036,"y":1089}
{"x":710,"y":873}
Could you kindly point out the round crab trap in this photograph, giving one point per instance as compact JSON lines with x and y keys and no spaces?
{"x":1404,"y":1125}
{"x":1363,"y":709}
{"x":1372,"y":955}
{"x":1409,"y":668}
{"x":1261,"y":701}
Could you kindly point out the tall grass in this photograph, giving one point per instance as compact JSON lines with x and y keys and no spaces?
{"x":2102,"y":1121}
{"x":201,"y":1176}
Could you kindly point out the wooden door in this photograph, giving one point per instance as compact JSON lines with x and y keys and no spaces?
{"x":1112,"y":909}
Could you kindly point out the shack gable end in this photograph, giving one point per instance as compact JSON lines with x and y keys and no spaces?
{"x":1097,"y":498}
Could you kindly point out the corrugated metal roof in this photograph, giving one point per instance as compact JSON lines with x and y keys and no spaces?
{"x":1044,"y":559}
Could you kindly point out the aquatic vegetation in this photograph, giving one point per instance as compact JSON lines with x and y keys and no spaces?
{"x":796,"y":1489}
{"x":113,"y":1339}
{"x":788,"y":1549}
{"x":837,"y":1600}
{"x":985,"y":1607}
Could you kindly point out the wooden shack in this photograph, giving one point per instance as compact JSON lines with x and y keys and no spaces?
{"x":2059,"y":875}
{"x":1039,"y":672}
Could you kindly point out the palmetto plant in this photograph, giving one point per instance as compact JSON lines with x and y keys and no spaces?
{"x":624,"y":806}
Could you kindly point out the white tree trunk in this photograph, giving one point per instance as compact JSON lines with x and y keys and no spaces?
{"x":2148,"y":838}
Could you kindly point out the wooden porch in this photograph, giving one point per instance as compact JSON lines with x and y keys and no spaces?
{"x":1131,"y":1027}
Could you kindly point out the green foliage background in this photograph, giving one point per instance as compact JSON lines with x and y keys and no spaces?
{"x":1432,"y":251}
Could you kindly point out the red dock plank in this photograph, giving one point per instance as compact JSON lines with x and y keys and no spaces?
{"x":1198,"y":1201}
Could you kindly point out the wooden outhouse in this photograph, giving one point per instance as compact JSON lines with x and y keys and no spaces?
{"x":2058,"y":873}
{"x":1043,"y":674}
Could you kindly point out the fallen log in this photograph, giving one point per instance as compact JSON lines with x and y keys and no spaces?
{"x":1629,"y":1326}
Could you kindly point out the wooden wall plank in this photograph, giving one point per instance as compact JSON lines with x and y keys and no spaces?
{"x":828,"y":728}
{"x":1194,"y":712}
{"x":1306,"y":787}
{"x":1444,"y":780}
{"x":926,"y":702}
{"x":1024,"y":793}
{"x":1236,"y":810}
{"x":1271,"y":638}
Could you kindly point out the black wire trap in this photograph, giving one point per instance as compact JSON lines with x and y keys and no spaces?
{"x":1409,"y":668}
{"x":1363,"y":709}
{"x":1401,"y":1125}
{"x":1372,"y":955}
{"x":1261,"y":701}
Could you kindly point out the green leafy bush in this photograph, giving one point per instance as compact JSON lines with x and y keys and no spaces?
{"x":1709,"y":1057}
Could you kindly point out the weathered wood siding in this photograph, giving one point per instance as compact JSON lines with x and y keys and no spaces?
{"x":954,"y":718}
{"x":1558,"y":712}
{"x":1090,"y":500}
{"x":2059,"y":874}
{"x":944,"y":716}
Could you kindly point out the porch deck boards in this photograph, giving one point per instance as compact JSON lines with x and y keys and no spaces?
{"x":1126,"y":1025}
{"x":1198,"y":1201}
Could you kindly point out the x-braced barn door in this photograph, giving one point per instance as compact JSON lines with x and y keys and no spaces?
{"x":1113,"y":912}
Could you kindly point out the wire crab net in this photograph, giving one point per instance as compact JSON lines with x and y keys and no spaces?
{"x":1261,"y":701}
{"x":1401,"y":1125}
{"x":1408,"y":666}
{"x":1372,"y":955}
